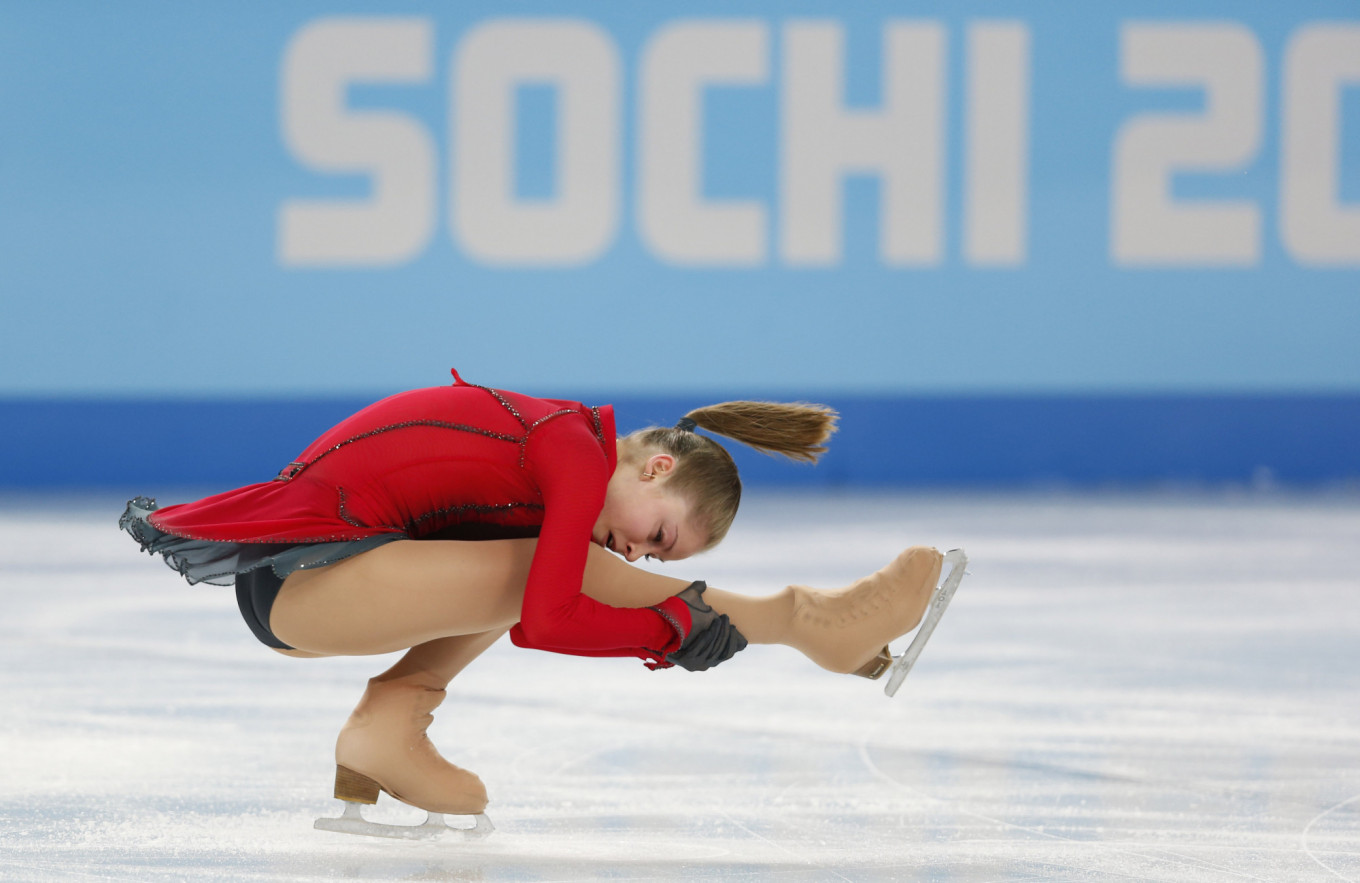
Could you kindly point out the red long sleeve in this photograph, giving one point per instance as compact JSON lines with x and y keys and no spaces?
{"x":572,"y":474}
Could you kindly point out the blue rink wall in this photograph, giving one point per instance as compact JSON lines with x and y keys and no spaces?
{"x":1016,"y":243}
{"x":924,"y":442}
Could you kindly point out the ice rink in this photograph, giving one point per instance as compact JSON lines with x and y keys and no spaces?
{"x":1149,"y":687}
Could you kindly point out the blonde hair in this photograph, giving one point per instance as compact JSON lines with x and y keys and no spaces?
{"x":705,"y":473}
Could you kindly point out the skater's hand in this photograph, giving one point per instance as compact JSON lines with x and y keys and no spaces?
{"x":712,"y":638}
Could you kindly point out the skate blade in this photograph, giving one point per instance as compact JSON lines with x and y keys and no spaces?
{"x":939,"y":600}
{"x":434,"y":828}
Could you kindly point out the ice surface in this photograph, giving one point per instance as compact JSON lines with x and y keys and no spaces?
{"x":1125,"y":688}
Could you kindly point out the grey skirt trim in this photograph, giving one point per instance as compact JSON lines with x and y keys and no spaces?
{"x":218,"y":563}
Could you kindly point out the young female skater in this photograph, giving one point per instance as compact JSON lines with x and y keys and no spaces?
{"x":436,"y":520}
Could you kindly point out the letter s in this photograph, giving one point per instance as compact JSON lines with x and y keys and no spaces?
{"x":396,"y":151}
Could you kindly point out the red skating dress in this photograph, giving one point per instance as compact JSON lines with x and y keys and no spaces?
{"x":459,"y":461}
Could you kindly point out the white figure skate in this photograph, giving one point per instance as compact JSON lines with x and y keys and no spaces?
{"x":956,"y":560}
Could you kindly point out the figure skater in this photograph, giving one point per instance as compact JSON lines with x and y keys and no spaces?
{"x":436,"y":520}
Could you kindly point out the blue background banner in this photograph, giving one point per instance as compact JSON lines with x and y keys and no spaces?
{"x":1020,"y":241}
{"x":158,"y":446}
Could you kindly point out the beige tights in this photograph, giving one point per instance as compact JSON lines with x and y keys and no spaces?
{"x":449,"y":600}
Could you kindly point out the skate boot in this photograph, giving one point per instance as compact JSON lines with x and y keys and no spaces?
{"x":848,"y":630}
{"x":383,"y":746}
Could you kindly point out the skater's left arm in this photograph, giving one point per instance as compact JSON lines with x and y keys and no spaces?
{"x":572,"y":475}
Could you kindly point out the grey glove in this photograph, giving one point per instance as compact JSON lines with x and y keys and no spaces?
{"x":712,"y":638}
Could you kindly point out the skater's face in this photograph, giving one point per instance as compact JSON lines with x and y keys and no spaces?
{"x":641,"y":518}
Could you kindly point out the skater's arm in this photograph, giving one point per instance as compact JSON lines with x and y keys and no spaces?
{"x":556,"y":615}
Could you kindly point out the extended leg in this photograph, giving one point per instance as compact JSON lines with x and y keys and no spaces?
{"x":840,"y":630}
{"x":409,"y":593}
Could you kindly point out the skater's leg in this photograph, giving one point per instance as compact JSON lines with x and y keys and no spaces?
{"x":437,"y":662}
{"x":384,"y":742}
{"x":841,"y":630}
{"x":403,"y":594}
{"x":408,"y":593}
{"x":612,"y":580}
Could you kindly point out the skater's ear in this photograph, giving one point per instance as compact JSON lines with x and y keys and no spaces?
{"x":659,"y":465}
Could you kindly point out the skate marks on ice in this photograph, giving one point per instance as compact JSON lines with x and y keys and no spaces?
{"x":1050,"y":851}
{"x":1128,"y":688}
{"x":1303,"y":838}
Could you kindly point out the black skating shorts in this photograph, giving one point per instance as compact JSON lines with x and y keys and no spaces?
{"x":255,"y":593}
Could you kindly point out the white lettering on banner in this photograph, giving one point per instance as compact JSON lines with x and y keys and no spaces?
{"x":396,"y":222}
{"x":674,"y":219}
{"x":996,"y":169}
{"x":1148,"y":226}
{"x":902,"y":143}
{"x":581,"y":63}
{"x":1315,"y":226}
{"x":822,"y":142}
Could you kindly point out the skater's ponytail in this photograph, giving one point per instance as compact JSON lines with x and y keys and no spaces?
{"x":705,"y":473}
{"x":797,"y":431}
